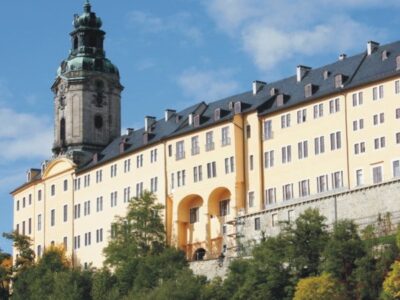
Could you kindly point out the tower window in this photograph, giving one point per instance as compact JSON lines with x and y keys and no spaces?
{"x":98,"y":122}
{"x":76,"y":42}
{"x":62,"y":130}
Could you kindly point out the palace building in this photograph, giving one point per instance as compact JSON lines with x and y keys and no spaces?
{"x":270,"y":151}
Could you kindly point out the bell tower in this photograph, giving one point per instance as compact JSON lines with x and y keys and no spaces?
{"x":87,"y":92}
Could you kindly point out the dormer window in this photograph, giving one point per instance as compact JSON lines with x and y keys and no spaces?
{"x":308,"y":90}
{"x":397,"y":63}
{"x":238,"y":107}
{"x":196,"y":121}
{"x":326,"y":74}
{"x":273,"y":92}
{"x":339,"y":80}
{"x":279,"y":100}
{"x":385,"y":55}
{"x":217,"y":114}
{"x":230,"y":106}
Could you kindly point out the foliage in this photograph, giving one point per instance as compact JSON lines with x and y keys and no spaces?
{"x":319,"y":288}
{"x":391,"y":285}
{"x":26,"y":256}
{"x":5,"y":274}
{"x":139,"y":233}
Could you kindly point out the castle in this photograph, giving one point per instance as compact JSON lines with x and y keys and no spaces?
{"x":326,"y":137}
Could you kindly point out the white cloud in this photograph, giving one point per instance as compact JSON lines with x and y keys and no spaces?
{"x":271,"y":31}
{"x":178,"y":23}
{"x":24,"y":135}
{"x":207,"y":85}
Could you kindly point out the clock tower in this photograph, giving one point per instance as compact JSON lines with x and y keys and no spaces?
{"x":87,"y":92}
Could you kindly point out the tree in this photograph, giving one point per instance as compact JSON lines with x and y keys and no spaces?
{"x":341,"y":252}
{"x":26,"y":256}
{"x":139,"y":233}
{"x":5,"y":274}
{"x":319,"y":288}
{"x":391,"y":285}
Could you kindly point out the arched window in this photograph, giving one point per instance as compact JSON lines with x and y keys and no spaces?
{"x":62,"y":130}
{"x":199,"y":254}
{"x":98,"y":121}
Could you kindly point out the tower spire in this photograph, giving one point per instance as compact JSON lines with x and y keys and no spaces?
{"x":87,"y":7}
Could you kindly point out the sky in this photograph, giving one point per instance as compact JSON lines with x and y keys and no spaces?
{"x":170,"y":54}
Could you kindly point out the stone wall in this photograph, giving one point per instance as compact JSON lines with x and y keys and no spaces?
{"x":211,"y":268}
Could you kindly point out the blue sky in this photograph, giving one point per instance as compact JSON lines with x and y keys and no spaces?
{"x":170,"y":54}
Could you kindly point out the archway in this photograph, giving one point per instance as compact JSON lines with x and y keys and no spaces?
{"x":199,"y":254}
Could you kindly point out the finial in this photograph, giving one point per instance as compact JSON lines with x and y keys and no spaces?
{"x":87,"y":6}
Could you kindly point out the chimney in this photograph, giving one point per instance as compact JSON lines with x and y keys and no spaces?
{"x":371,"y":47}
{"x":258,"y":86}
{"x":302,"y":72}
{"x":129,"y":131}
{"x":342,"y":56}
{"x":168,"y":114}
{"x":148,"y":123}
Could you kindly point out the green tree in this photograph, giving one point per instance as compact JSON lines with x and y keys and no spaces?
{"x":319,"y":288}
{"x":391,"y":285}
{"x":23,"y":245}
{"x":341,"y":252}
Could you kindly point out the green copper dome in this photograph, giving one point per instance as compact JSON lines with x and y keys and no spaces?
{"x":87,"y":53}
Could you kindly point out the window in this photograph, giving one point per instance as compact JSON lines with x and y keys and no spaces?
{"x":397,"y":113}
{"x":334,"y":106}
{"x":195,"y":145}
{"x":99,"y":204}
{"x":358,"y":124}
{"x":127,"y":165}
{"x":268,"y":130}
{"x":377,"y":174}
{"x":229,"y":165}
{"x":127,"y":194}
{"x":99,"y":235}
{"x":322,"y":183}
{"x":224,"y":208}
{"x":77,"y":184}
{"x":86,"y":180}
{"x":113,"y":199}
{"x":319,"y":145}
{"x":139,"y":189}
{"x":336,"y":141}
{"x":65,"y":218}
{"x":337,"y":180}
{"x":65,"y":243}
{"x":39,"y":222}
{"x":172,"y":180}
{"x":39,"y":195}
{"x":113,"y":170}
{"x":379,"y":143}
{"x":248,"y":131}
{"x":318,"y":110}
{"x":257,"y":224}
{"x":359,"y":177}
{"x":181,"y":178}
{"x":251,"y":162}
{"x":269,"y":159}
{"x":275,"y":221}
{"x":52,"y":217}
{"x":303,"y":149}
{"x":301,"y":116}
{"x":30,"y":226}
{"x":65,"y":185}
{"x":304,"y":188}
{"x":287,"y":191}
{"x":18,"y":205}
{"x":154,"y":184}
{"x":377,"y":92}
{"x":52,"y":191}
{"x":77,"y":242}
{"x":291,"y":216}
{"x":99,"y":176}
{"x":285,"y":121}
{"x":211,"y":169}
{"x":194,"y":215}
{"x":153,"y":156}
{"x":226,"y":140}
{"x":139,"y":161}
{"x":396,"y":168}
{"x":251,"y":199}
{"x":86,"y":208}
{"x":88,"y":238}
{"x":180,"y":150}
{"x":23,"y":202}
{"x":209,"y":141}
{"x":270,"y":196}
{"x":398,"y":138}
{"x":286,"y":154}
{"x":197,"y":174}
{"x":359,"y":148}
{"x":378,"y":118}
{"x":23,"y":228}
{"x":77,"y":211}
{"x":39,"y":251}
{"x":357,"y":98}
